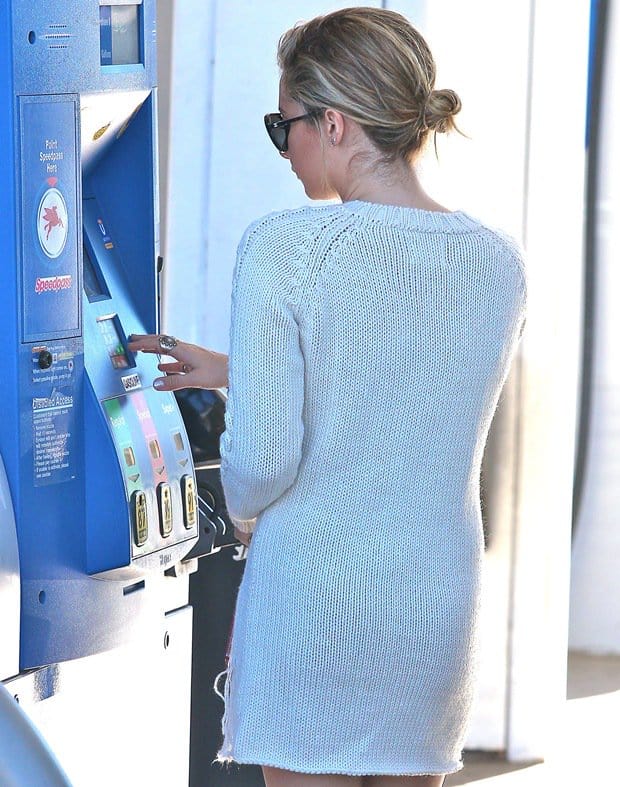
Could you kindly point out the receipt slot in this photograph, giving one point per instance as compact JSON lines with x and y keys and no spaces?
{"x":99,"y":466}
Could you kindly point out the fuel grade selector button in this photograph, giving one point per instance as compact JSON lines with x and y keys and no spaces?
{"x":164,"y":499}
{"x":140,"y":518}
{"x":188,"y":491}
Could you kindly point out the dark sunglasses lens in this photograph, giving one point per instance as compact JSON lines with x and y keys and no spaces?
{"x":278,"y":136}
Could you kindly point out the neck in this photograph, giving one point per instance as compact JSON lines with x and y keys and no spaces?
{"x":356,"y":172}
{"x":401,"y":188}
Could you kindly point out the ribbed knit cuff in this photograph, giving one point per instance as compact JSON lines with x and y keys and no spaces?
{"x":244,"y":525}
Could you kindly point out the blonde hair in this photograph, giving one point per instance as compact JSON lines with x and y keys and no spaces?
{"x":374,"y":67}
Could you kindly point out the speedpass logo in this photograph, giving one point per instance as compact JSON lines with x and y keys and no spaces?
{"x":52,"y":283}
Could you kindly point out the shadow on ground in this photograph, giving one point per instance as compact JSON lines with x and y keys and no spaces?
{"x":482,"y":765}
{"x":590,"y":674}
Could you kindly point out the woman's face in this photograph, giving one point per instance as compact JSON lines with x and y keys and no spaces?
{"x":305,"y":150}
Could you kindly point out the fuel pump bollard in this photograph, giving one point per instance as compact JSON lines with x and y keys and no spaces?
{"x":25,"y":757}
{"x":212,"y":592}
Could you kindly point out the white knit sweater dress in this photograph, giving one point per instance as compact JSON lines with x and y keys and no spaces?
{"x":369,"y":345}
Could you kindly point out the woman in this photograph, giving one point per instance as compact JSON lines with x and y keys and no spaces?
{"x":370,"y":340}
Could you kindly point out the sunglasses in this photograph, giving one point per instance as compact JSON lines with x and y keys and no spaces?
{"x":278,"y":128}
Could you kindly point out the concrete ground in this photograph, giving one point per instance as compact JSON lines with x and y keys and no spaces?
{"x":585,"y":750}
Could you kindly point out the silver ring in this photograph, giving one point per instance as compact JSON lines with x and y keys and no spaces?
{"x":167,"y":342}
{"x":186,"y":368}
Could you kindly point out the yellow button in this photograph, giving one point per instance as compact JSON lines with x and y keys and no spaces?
{"x":189,"y":501}
{"x":140,"y":518}
{"x":164,"y":498}
{"x":155,"y":449}
{"x":130,"y":458}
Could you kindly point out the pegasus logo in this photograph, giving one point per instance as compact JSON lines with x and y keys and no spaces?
{"x":51,"y":219}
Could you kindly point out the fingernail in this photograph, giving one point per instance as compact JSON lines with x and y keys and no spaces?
{"x":158,"y":383}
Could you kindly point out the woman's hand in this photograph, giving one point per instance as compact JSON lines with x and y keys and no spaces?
{"x":193,"y":366}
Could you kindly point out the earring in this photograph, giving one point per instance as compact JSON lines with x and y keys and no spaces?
{"x":332,"y":141}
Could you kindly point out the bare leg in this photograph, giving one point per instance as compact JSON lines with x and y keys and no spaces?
{"x":403,"y":781}
{"x":276,"y":777}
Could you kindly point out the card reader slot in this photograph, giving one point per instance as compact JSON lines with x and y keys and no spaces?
{"x":116,"y":342}
{"x":95,"y":286}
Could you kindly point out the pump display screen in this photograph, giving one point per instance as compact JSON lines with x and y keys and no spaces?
{"x":119,"y":34}
{"x":113,"y":342}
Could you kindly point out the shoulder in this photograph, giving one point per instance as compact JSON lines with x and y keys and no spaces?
{"x":504,"y":249}
{"x":285,"y":227}
{"x":274,"y":248}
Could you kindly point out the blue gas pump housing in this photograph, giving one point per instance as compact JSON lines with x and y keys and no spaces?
{"x":98,"y":463}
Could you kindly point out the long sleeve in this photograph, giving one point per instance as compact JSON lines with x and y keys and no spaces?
{"x":261,"y":447}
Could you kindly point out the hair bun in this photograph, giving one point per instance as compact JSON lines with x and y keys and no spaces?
{"x":331,"y":61}
{"x":441,"y":107}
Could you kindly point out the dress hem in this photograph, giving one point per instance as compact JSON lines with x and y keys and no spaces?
{"x":228,"y":760}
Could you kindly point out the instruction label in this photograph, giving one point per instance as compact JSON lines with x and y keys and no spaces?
{"x":52,"y":427}
{"x":61,"y":364}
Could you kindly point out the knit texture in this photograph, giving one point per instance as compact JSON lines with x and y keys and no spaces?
{"x":369,"y":345}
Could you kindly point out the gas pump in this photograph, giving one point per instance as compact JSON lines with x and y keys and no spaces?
{"x":99,"y":506}
{"x":99,"y":467}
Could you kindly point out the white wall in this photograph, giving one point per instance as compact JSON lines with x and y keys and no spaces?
{"x":548,"y":384}
{"x":186,"y":130}
{"x":595,"y":592}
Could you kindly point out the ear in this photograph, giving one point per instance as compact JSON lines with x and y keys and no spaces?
{"x":333,"y":125}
